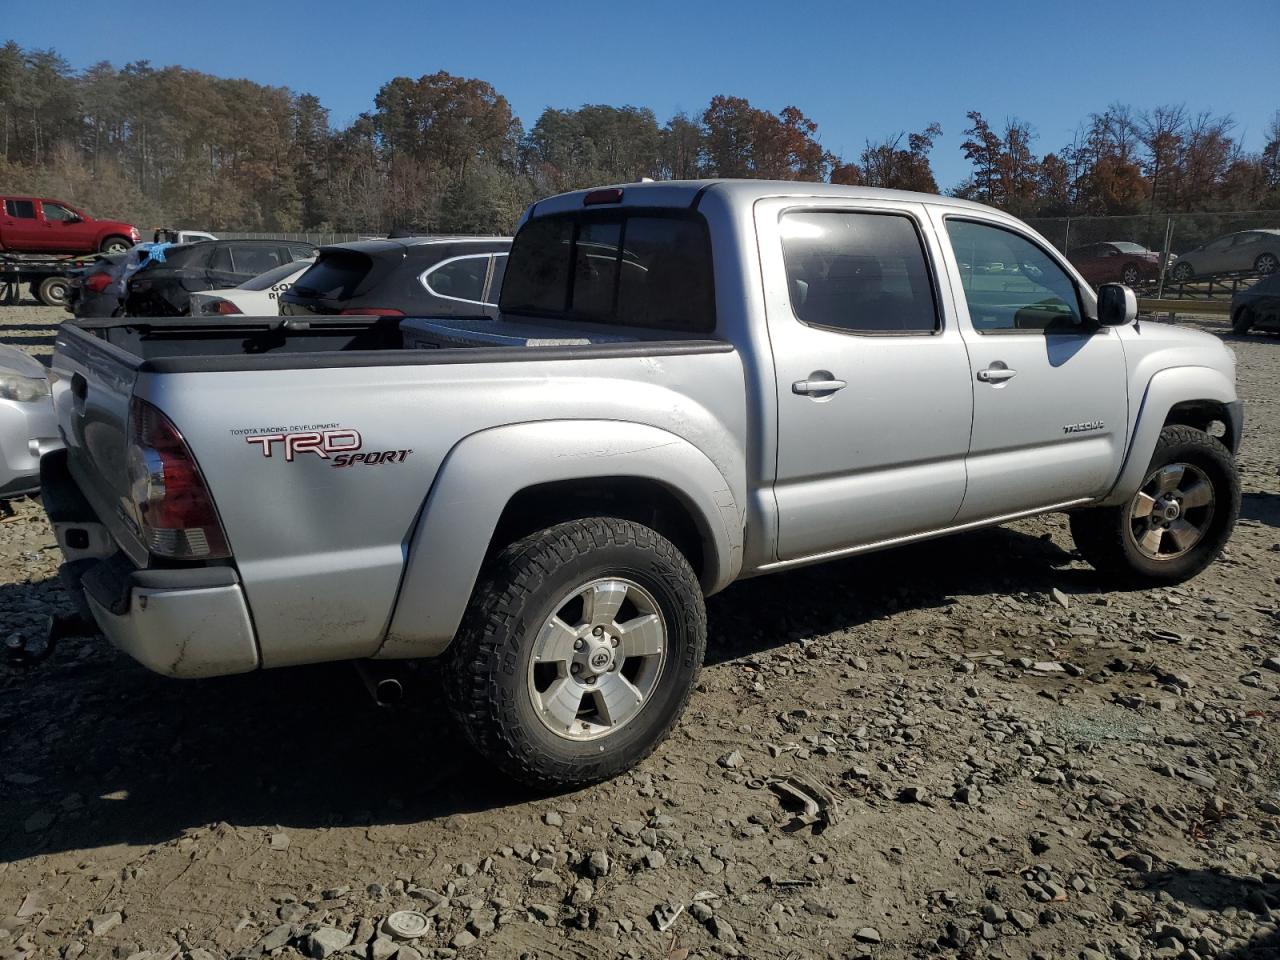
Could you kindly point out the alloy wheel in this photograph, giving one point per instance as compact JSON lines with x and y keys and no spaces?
{"x":597,"y":659}
{"x":1172,"y":512}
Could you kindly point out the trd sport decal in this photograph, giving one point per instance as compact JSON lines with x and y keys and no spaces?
{"x":341,"y":446}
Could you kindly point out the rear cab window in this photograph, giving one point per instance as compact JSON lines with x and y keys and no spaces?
{"x":632,"y":268}
{"x":20,"y":209}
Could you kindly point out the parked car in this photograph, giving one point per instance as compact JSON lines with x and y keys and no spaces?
{"x":1247,"y":251}
{"x":761,"y":376}
{"x":39,"y":225}
{"x":258,"y":297}
{"x":177,"y":235}
{"x":28,"y":427}
{"x":413,"y":276}
{"x":1257,"y":306}
{"x":1116,"y":261}
{"x":163,"y":287}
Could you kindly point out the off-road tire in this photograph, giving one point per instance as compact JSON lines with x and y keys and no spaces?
{"x":53,"y":291}
{"x":487,"y":665}
{"x":1101,"y":533}
{"x":118,"y":243}
{"x":1242,"y":322}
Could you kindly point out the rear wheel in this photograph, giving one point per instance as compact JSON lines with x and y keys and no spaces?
{"x":115,"y":245}
{"x":53,"y":291}
{"x":578,"y":652}
{"x":1242,"y":322}
{"x":1178,"y":521}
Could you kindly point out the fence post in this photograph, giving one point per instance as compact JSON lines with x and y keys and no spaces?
{"x":1164,"y":255}
{"x":1066,"y":236}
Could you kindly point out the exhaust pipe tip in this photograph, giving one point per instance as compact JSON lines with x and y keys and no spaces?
{"x":388,"y":692}
{"x":382,"y":680}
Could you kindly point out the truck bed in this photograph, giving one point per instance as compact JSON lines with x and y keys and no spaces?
{"x":186,"y":345}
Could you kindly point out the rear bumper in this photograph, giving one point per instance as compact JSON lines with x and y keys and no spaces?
{"x":172,"y":622}
{"x":184,"y":622}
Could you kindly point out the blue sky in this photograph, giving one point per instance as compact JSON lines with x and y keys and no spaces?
{"x":861,"y":70}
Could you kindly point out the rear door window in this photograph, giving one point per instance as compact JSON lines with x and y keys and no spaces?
{"x":858,"y":272}
{"x":20,"y":209}
{"x":459,"y":278}
{"x":220,"y":261}
{"x":255,"y":260}
{"x":641,"y":269}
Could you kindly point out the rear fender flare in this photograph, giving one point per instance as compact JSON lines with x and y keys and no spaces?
{"x":485,"y":470}
{"x":1166,"y":390}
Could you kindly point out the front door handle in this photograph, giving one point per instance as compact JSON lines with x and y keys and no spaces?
{"x":996,"y":374}
{"x":818,"y":383}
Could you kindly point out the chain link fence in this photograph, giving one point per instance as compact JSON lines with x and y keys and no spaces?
{"x":1204,"y":255}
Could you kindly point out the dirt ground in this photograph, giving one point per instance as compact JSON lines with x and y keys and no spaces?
{"x":1020,"y":761}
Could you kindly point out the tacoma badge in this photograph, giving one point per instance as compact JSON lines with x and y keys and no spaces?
{"x":1083,"y":427}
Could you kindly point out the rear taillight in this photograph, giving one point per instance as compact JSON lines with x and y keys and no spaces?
{"x":372,"y":312}
{"x":226,"y":308}
{"x":170,"y":498}
{"x":98,"y":282}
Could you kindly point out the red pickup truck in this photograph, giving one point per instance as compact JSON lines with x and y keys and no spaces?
{"x":39,"y":225}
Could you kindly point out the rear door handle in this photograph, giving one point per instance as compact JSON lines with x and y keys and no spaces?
{"x":810,"y":387}
{"x":996,"y":374}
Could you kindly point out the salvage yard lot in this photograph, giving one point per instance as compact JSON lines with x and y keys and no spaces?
{"x":1023,"y":762}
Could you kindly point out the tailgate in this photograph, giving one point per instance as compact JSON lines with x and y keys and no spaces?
{"x":92,"y":387}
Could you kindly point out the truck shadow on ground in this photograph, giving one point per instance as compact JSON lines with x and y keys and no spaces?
{"x":123,"y":756}
{"x":1263,"y":507}
{"x":1218,"y":892}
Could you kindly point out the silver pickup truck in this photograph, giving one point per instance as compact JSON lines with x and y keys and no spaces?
{"x":689,"y":383}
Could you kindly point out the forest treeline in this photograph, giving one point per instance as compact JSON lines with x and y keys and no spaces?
{"x":445,"y":153}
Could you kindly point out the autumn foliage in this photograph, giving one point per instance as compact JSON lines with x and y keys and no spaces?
{"x":446,"y":153}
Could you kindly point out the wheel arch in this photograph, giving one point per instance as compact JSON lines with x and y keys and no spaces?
{"x":1189,"y":396}
{"x":499,"y":484}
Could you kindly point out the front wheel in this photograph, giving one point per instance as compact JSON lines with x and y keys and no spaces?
{"x":1129,"y":276}
{"x":1242,"y":322}
{"x":115,"y":245}
{"x":1178,"y":521}
{"x":578,"y":652}
{"x":1266,"y":264}
{"x":1182,"y":272}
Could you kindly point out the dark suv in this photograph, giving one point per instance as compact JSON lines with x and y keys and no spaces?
{"x":163,"y":288}
{"x":410,"y":277}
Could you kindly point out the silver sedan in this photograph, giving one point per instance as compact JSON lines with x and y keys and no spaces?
{"x":28,"y":427}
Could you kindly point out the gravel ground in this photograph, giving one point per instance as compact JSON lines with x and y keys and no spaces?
{"x":1009,"y":758}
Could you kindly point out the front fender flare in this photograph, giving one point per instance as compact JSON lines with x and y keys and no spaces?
{"x":485,"y":470}
{"x":1166,"y":390}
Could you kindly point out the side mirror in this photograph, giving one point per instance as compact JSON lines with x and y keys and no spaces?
{"x":1117,"y":305}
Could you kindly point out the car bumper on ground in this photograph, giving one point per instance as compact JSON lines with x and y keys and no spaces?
{"x":27,"y":432}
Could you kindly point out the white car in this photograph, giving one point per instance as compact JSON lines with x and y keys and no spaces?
{"x":254,"y":298}
{"x":28,"y":427}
